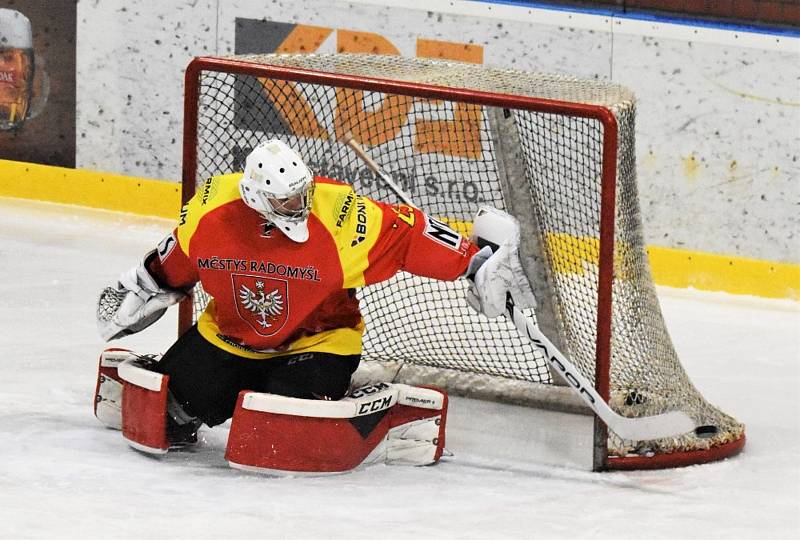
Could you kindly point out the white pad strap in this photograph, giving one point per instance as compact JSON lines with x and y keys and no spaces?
{"x":134,"y":372}
{"x":367,"y":400}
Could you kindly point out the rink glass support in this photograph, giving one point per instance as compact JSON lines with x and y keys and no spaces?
{"x":558,"y":152}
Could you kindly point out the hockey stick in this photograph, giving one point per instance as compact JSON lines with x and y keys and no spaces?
{"x":350,"y":141}
{"x":641,"y":428}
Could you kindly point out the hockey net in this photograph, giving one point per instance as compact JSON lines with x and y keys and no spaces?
{"x":555,"y":151}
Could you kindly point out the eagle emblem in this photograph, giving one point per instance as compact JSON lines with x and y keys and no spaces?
{"x":264,"y":305}
{"x":261,"y":302}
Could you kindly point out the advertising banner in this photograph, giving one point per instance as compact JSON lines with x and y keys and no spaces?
{"x":37,"y":81}
{"x":278,"y":109}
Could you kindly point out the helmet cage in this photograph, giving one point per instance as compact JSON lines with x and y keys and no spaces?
{"x":279,"y":186}
{"x":281,"y":207}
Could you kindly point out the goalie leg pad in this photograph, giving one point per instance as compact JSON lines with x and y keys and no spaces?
{"x":417,"y":432}
{"x":144,"y":407}
{"x":382,"y":423}
{"x":108,"y":390}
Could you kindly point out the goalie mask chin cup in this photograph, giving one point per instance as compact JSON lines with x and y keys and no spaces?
{"x":278,"y":185}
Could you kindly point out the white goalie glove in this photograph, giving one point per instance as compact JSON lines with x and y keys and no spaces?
{"x":135,"y":303}
{"x":495,"y":271}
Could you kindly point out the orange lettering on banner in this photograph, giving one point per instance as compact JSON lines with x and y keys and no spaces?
{"x":381,"y":123}
{"x":293,"y":108}
{"x":304,"y":39}
{"x":460,"y":136}
{"x":348,"y":41}
{"x":447,"y":50}
{"x":289,"y":102}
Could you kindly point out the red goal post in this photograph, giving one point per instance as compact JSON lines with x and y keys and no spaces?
{"x":556,"y":151}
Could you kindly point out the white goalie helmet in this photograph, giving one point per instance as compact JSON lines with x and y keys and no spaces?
{"x":278,"y":185}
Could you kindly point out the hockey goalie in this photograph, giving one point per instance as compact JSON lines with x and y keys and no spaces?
{"x":280,"y":253}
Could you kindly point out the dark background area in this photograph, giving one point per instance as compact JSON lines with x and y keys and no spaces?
{"x":49,"y":138}
{"x":767,"y":13}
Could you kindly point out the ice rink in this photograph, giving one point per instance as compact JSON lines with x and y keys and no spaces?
{"x":62,"y":475}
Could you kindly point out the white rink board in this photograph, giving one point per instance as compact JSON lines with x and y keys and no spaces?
{"x":65,"y":476}
{"x":718,"y":110}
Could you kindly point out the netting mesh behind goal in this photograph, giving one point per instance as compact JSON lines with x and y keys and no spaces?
{"x":451,"y":154}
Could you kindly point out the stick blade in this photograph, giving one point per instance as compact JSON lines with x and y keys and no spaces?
{"x":645,"y":428}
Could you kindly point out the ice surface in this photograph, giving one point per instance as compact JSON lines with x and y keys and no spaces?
{"x":62,"y":475}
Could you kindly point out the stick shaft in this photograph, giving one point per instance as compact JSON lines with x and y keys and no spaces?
{"x":361,"y":153}
{"x":639,"y":429}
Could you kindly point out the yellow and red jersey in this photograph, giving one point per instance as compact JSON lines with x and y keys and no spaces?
{"x":271,"y":296}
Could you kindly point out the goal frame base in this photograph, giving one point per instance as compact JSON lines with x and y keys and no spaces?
{"x":675,"y":459}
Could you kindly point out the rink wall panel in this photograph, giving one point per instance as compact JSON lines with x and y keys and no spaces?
{"x":144,"y":196}
{"x":717,"y":128}
{"x":109,"y":191}
{"x":718,"y":107}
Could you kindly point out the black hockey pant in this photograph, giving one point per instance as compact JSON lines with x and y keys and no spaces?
{"x":206,"y":380}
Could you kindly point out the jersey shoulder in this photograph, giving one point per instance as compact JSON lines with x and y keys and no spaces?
{"x":213,"y":193}
{"x":333,"y":203}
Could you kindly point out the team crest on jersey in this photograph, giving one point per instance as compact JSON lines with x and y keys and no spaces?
{"x":262,"y":302}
